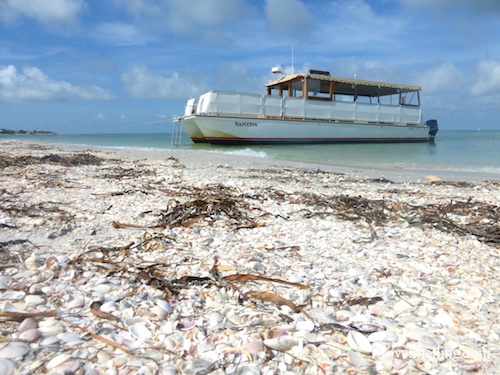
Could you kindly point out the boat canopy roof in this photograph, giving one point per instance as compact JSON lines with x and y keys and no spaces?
{"x":345,"y":86}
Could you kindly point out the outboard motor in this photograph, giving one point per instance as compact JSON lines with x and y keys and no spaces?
{"x":433,"y":129}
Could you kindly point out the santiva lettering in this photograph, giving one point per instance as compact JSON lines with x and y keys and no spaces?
{"x":245,"y":123}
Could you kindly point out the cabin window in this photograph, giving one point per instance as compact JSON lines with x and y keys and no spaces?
{"x":410,"y":98}
{"x":297,"y":89}
{"x":318,"y":89}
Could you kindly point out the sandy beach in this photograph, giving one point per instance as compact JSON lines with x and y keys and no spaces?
{"x":196,"y":263}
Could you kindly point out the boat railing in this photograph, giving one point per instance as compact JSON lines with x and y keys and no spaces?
{"x":240,"y":104}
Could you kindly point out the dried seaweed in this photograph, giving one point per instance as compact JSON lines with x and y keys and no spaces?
{"x":213,"y":203}
{"x":57,"y":159}
{"x":469,"y":217}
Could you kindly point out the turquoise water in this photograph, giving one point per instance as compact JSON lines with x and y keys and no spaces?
{"x":454,"y":150}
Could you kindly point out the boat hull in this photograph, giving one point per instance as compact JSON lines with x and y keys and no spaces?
{"x":238,"y":130}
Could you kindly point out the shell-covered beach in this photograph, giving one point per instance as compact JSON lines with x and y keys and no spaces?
{"x":114,"y":264}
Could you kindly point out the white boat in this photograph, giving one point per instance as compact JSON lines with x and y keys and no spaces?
{"x":310,"y":107}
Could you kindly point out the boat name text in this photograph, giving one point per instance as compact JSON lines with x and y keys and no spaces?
{"x":245,"y":123}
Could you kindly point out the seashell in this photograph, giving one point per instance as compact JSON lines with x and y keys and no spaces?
{"x":29,"y":335}
{"x":33,"y":300}
{"x":380,"y":348}
{"x":388,"y":336}
{"x":469,"y":353}
{"x":14,"y":349}
{"x":50,"y":342}
{"x":140,"y":332}
{"x":255,"y":347}
{"x":50,"y":327}
{"x":357,"y":341}
{"x":6,"y":367}
{"x":475,"y":292}
{"x":129,"y":322}
{"x":63,"y":364}
{"x":4,"y":286}
{"x":356,"y":359}
{"x":368,"y":327}
{"x":344,"y":315}
{"x":304,"y":325}
{"x":281,"y":343}
{"x":428,"y":342}
{"x":76,"y":303}
{"x":431,"y":178}
{"x":26,"y":324}
{"x":102,"y":289}
{"x":165,"y":306}
{"x":70,"y":338}
{"x":12,"y":296}
{"x":276,"y":332}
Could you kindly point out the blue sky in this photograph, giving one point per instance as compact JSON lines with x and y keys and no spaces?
{"x":106,"y":66}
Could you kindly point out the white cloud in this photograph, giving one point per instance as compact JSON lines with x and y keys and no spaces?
{"x":489,"y":78}
{"x":442,"y":78}
{"x":290,"y":17}
{"x":141,"y":82}
{"x":33,"y":85}
{"x":480,"y":6}
{"x":205,"y":19}
{"x":120,"y":34}
{"x":48,"y":12}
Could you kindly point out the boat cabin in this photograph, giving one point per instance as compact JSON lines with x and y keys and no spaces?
{"x":320,"y":85}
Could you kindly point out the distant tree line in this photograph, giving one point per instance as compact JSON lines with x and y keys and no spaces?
{"x":7,"y":131}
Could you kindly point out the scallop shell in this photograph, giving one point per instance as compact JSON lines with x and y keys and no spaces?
{"x":358,"y":342}
{"x":14,"y":349}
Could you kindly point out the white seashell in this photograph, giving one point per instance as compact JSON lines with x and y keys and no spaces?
{"x":76,"y":303}
{"x":388,"y":336}
{"x":29,"y":335}
{"x":380,"y":348}
{"x":102,"y":289}
{"x":304,"y":325}
{"x":356,"y":359}
{"x":63,"y":364}
{"x":14,"y":349}
{"x":428,"y":342}
{"x":140,"y":332}
{"x":26,"y":324}
{"x":165,"y":306}
{"x":129,"y":322}
{"x":417,"y":333}
{"x":33,"y":300}
{"x":357,"y":341}
{"x":70,"y":338}
{"x":12,"y":296}
{"x":475,"y":292}
{"x":469,"y":353}
{"x":50,"y":327}
{"x":281,"y":343}
{"x":6,"y":367}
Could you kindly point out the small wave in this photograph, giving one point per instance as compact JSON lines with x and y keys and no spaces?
{"x":244,"y":152}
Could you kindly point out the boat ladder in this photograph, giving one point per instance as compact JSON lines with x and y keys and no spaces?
{"x":177,"y":131}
